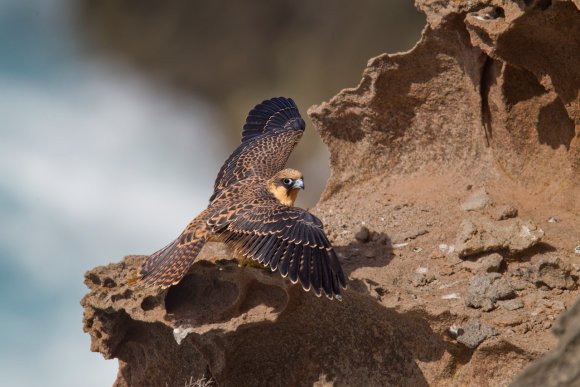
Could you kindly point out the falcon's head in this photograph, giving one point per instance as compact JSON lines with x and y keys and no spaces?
{"x":285,"y":185}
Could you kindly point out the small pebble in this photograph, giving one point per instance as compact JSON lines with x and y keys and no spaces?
{"x":490,"y":15}
{"x":446,"y":249}
{"x":363,"y":235}
{"x":478,"y":200}
{"x":505,"y":212}
{"x":552,"y":219}
{"x":399,"y":245}
{"x":513,"y":304}
{"x":422,"y":279}
{"x":454,"y":331}
{"x":474,"y":333}
{"x":577,"y":249}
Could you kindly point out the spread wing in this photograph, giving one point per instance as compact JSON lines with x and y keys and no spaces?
{"x":288,"y":239}
{"x":272,"y":130}
{"x":167,"y":266}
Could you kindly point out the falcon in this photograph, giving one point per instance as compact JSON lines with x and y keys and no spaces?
{"x":252,"y":211}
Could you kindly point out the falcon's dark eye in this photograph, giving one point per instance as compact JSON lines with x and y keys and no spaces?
{"x":287,"y":182}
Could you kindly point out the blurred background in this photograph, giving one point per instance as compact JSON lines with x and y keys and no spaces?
{"x":115,"y":116}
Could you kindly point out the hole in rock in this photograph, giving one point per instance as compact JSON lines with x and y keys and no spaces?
{"x":262,"y":294}
{"x":520,"y":85}
{"x":201,"y":298}
{"x":149,"y":303}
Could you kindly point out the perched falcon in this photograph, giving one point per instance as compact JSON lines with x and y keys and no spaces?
{"x":251,"y":210}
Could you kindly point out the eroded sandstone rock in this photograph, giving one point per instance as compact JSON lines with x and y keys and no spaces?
{"x":238,"y":323}
{"x":559,"y":367}
{"x":485,"y":264}
{"x":487,"y":97}
{"x":474,"y":332}
{"x":482,"y":235}
{"x":478,"y":200}
{"x":485,"y":289}
{"x":552,"y":272}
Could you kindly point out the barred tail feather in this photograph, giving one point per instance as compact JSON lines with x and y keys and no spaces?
{"x":169,"y":265}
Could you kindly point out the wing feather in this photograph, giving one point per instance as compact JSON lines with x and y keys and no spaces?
{"x":275,"y":261}
{"x":272,"y":114}
{"x":316,"y":278}
{"x":264,"y":249}
{"x":250,"y":248}
{"x":285,"y":263}
{"x":297,"y":257}
{"x":304,"y":272}
{"x":288,"y":239}
{"x":168,"y":265}
{"x":325,"y":274}
{"x":272,"y":130}
{"x":258,"y":247}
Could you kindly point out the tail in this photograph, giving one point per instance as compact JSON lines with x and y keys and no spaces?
{"x":169,"y":265}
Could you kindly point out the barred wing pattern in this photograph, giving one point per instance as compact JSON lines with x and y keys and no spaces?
{"x":167,"y":266}
{"x":244,"y":214}
{"x":287,"y":239}
{"x":272,"y":130}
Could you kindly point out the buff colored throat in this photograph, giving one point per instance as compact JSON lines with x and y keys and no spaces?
{"x":284,"y":196}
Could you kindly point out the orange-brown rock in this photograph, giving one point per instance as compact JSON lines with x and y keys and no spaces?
{"x":487,"y":101}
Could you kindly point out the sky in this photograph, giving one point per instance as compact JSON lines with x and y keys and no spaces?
{"x":95,"y":164}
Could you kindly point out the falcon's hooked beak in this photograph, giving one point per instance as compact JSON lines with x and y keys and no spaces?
{"x":298,"y":184}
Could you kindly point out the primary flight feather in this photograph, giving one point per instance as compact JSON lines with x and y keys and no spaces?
{"x":252,"y":210}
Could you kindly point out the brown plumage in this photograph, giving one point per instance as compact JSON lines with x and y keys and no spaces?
{"x":251,"y":210}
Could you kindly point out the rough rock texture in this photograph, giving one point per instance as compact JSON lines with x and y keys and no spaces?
{"x":560,"y":366}
{"x":483,"y":236}
{"x":491,"y":263}
{"x":485,"y":289}
{"x":504,"y":212}
{"x":487,"y":100}
{"x":248,"y":327}
{"x":478,"y":200}
{"x":472,"y":333}
{"x":505,"y":89}
{"x":552,"y":272}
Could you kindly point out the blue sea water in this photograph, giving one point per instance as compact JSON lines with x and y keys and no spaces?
{"x":95,"y":164}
